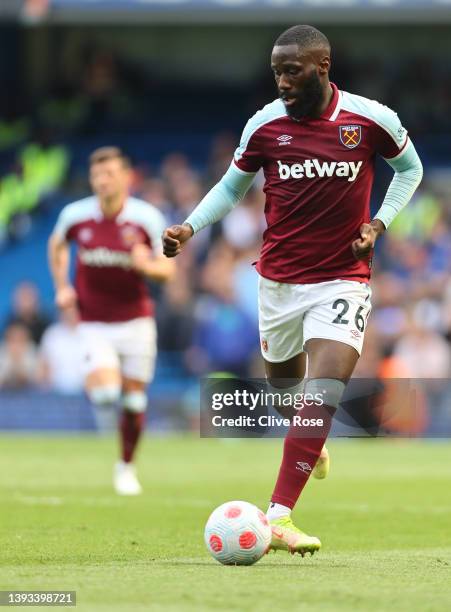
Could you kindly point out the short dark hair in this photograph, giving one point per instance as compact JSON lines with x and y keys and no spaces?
{"x":106,"y":153}
{"x":304,"y":36}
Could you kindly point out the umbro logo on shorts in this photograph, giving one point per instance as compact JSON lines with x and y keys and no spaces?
{"x":313,"y":168}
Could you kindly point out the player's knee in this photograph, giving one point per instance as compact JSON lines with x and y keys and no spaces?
{"x":104,"y":395}
{"x":330,"y":390}
{"x":134,"y":401}
{"x":292,"y":391}
{"x":285,"y":400}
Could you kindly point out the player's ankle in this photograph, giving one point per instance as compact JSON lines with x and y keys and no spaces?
{"x":123,"y":463}
{"x":276,"y":511}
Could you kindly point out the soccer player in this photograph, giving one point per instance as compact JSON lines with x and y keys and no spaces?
{"x":316,"y":145}
{"x":119,"y":246}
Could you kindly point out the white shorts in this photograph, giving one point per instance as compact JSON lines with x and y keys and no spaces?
{"x":129,"y":346}
{"x":289,"y":315}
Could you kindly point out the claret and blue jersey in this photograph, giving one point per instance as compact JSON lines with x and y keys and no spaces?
{"x":108,"y":289}
{"x":318,"y":178}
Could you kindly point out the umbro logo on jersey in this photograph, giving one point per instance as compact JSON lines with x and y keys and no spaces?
{"x":313,"y":168}
{"x":284,"y":139}
{"x":85,"y":234}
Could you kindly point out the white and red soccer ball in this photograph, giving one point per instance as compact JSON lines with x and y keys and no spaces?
{"x":237,"y":533}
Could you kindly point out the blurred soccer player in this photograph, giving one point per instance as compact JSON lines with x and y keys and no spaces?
{"x":119,"y":246}
{"x":316,"y":145}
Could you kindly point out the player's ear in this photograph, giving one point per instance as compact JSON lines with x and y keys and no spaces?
{"x":324,"y":65}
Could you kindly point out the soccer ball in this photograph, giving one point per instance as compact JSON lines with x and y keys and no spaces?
{"x":237,"y":533}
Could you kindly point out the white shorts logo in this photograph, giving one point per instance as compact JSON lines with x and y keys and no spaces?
{"x":102,"y":257}
{"x":313,"y":168}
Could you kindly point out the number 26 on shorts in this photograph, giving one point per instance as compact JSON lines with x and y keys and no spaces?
{"x":342,"y":306}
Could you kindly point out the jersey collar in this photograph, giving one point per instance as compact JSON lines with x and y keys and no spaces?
{"x":331,"y":112}
{"x":117,"y":217}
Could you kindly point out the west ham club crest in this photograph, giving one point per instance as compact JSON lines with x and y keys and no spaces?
{"x":350,"y":135}
{"x":130,"y":235}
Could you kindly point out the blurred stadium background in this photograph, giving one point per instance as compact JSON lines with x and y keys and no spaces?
{"x":173,"y":84}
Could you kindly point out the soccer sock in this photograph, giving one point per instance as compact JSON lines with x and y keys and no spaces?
{"x":131,"y":426}
{"x":300,"y":454}
{"x":276,"y":511}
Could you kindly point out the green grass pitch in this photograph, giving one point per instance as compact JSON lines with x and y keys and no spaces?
{"x":383,"y":515}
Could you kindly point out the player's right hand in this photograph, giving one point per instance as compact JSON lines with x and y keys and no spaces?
{"x":65,"y":297}
{"x":175,"y":237}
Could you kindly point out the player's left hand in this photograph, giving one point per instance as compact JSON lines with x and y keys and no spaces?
{"x":363,"y":246}
{"x":140,"y":256}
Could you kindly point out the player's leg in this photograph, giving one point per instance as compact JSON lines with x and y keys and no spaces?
{"x":333,"y":328}
{"x":362,"y":306}
{"x":287,"y":375}
{"x":103,"y":386}
{"x":333,"y":344}
{"x":330,"y":366}
{"x":101,"y":365}
{"x":281,"y":331}
{"x":132,"y":423}
{"x":136,"y":344}
{"x":294,"y":371}
{"x":281,"y":340}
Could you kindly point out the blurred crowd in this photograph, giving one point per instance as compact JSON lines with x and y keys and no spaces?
{"x":207,"y":315}
{"x":96,"y":87}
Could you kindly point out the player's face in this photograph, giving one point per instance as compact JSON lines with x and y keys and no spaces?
{"x":109,"y":178}
{"x":298,"y":79}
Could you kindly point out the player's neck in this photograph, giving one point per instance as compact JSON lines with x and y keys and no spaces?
{"x":112,"y":206}
{"x":327,"y":99}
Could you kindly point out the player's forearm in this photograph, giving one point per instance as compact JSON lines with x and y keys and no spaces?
{"x":221,"y":199}
{"x":408,"y":174}
{"x":159,"y":270}
{"x":59,"y":259}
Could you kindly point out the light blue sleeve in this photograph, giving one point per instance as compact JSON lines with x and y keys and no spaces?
{"x":408,"y":174}
{"x":221,"y":199}
{"x":63,"y":224}
{"x":72,"y":214}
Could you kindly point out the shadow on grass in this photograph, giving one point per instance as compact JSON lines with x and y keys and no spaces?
{"x":303,"y":564}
